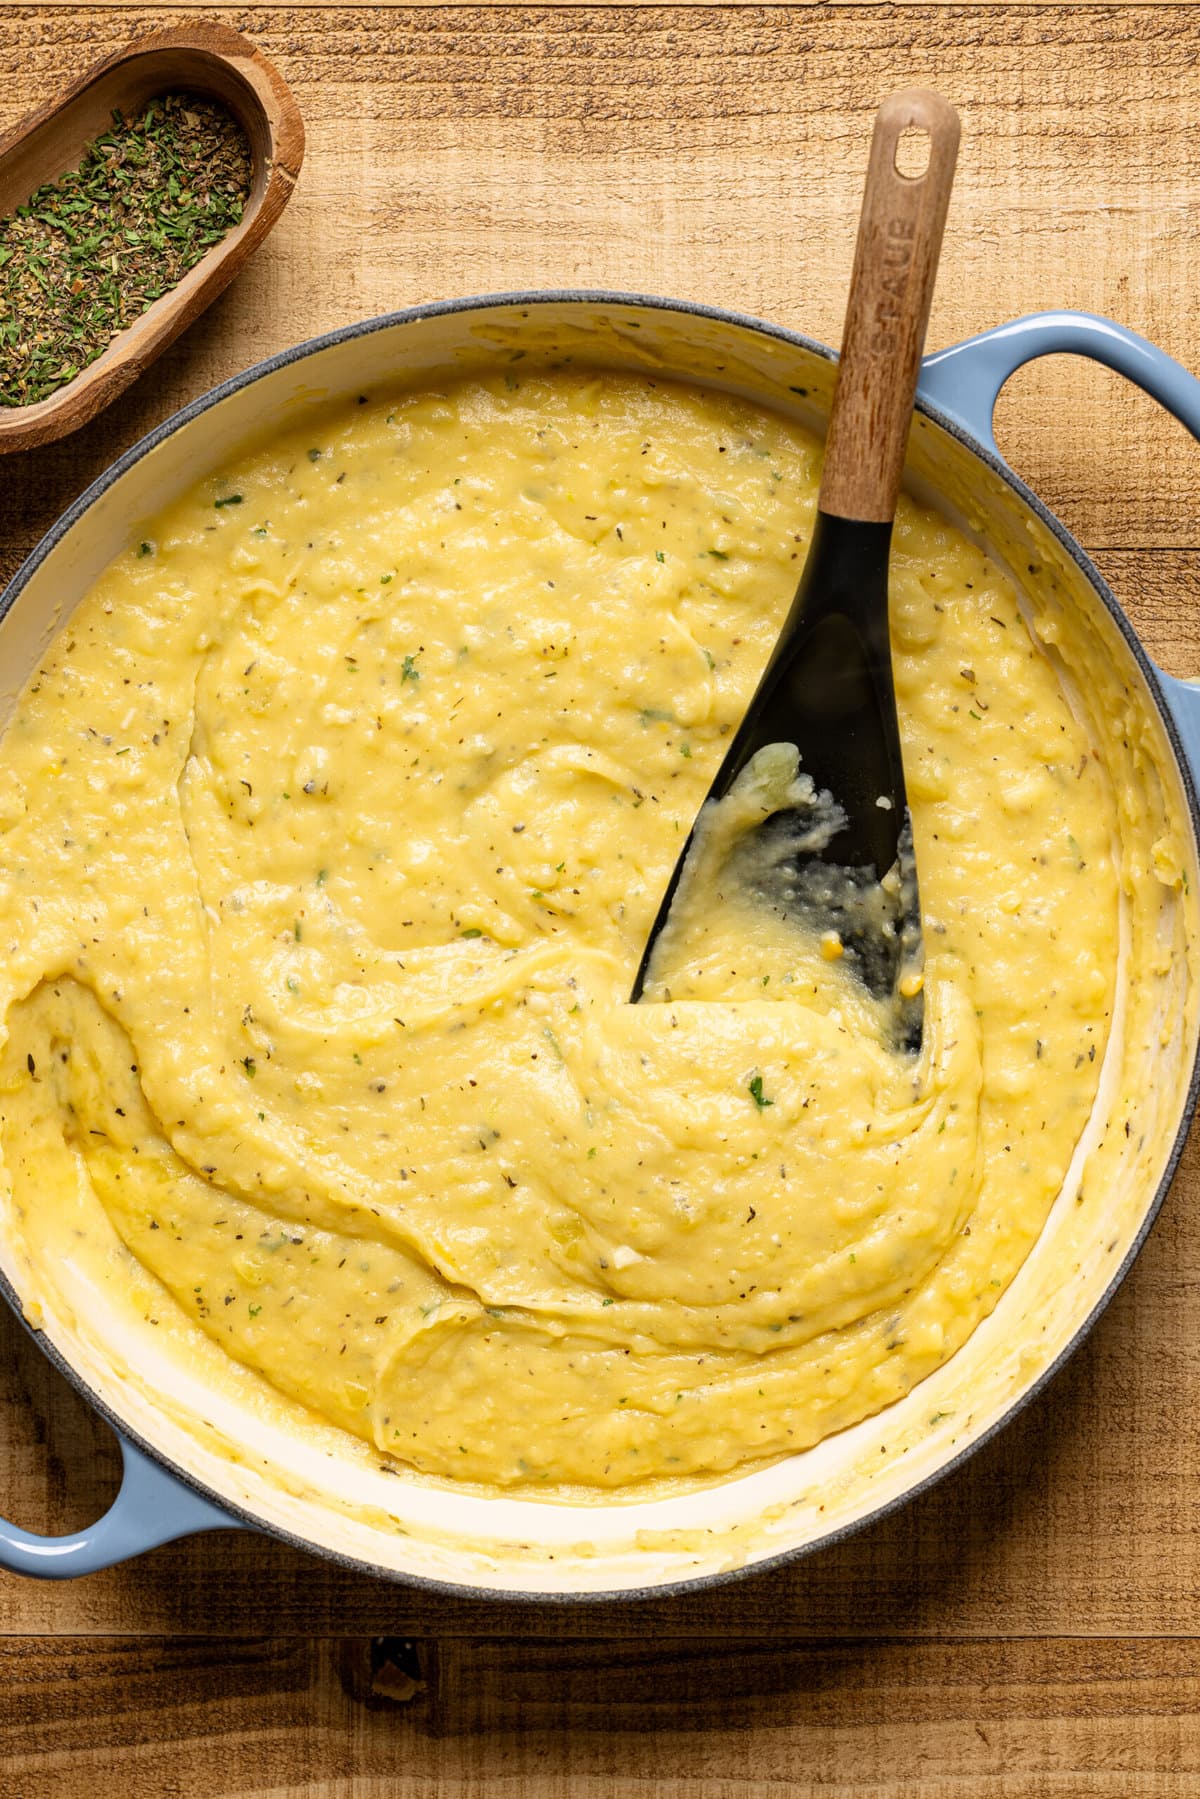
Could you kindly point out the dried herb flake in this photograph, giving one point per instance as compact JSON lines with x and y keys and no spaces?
{"x":87,"y":254}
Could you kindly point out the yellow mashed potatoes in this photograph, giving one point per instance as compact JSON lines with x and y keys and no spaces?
{"x":333,"y":825}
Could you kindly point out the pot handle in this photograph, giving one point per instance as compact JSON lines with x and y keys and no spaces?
{"x":152,"y":1507}
{"x":964,"y":382}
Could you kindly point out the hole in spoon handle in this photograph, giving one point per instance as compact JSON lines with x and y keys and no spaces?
{"x":912,"y":152}
{"x":891,"y":289}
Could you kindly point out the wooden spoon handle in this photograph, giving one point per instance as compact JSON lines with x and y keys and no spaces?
{"x":895,"y":265}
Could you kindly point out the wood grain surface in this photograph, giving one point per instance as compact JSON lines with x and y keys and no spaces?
{"x":1032,"y":1626}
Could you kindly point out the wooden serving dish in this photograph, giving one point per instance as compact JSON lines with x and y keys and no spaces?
{"x":201,"y":59}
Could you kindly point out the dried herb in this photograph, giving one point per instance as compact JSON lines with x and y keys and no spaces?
{"x":87,"y":254}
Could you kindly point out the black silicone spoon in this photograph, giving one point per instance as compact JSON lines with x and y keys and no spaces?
{"x":828,"y":687}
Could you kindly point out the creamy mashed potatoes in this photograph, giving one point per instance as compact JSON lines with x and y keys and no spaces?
{"x":333,"y":825}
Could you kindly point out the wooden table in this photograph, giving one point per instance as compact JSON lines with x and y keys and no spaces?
{"x":1030,"y":1627}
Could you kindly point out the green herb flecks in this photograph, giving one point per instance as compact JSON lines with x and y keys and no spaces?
{"x":87,"y":254}
{"x":755,"y":1088}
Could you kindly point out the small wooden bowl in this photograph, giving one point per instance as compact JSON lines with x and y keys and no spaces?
{"x":200,"y":59}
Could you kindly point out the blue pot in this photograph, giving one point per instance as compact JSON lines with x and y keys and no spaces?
{"x":174,"y":1486}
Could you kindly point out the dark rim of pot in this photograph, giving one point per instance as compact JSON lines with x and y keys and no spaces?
{"x":760,"y":327}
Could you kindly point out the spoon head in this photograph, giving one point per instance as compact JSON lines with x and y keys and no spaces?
{"x":830,"y":844}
